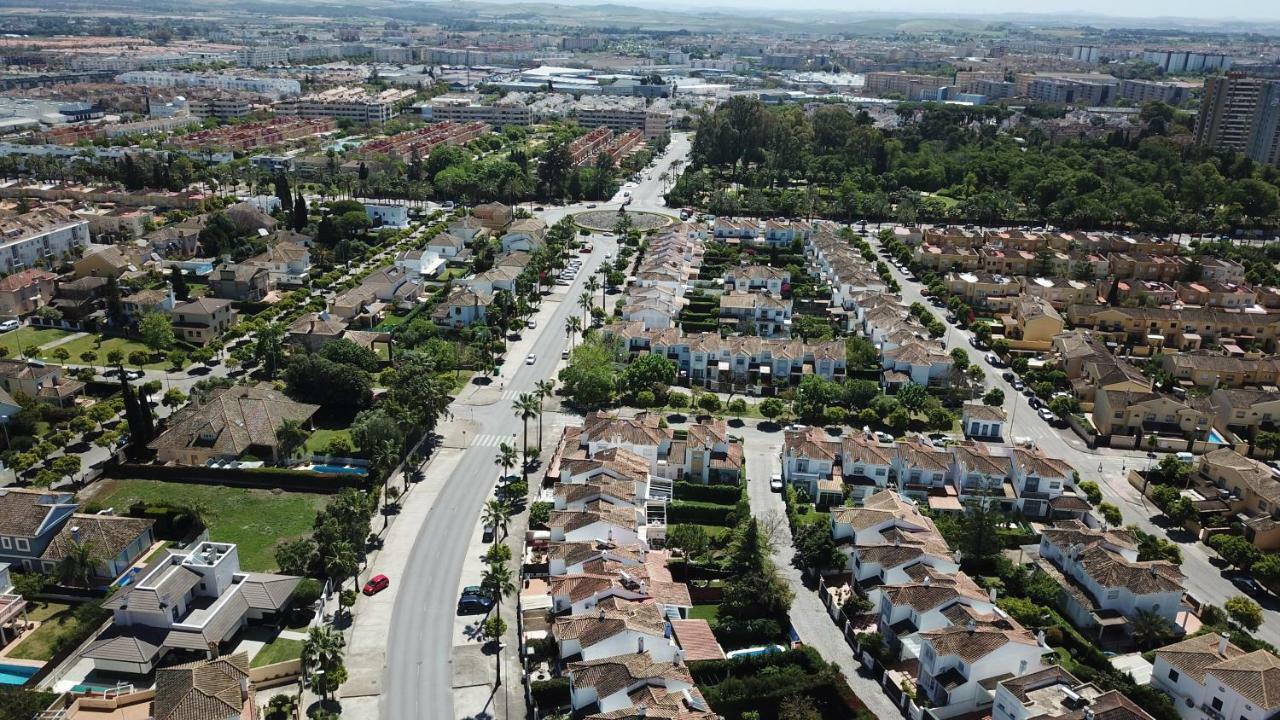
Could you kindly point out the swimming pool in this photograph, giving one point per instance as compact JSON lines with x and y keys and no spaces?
{"x":1216,"y":437}
{"x":16,"y":674}
{"x":339,"y":469}
{"x":758,"y":650}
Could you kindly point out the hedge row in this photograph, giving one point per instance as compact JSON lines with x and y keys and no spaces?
{"x":700,"y":513}
{"x":718,"y":494}
{"x":550,"y":694}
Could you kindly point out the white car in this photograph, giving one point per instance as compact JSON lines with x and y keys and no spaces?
{"x":531,"y":324}
{"x":531,"y":359}
{"x":8,"y":325}
{"x":775,"y":483}
{"x":883,"y":437}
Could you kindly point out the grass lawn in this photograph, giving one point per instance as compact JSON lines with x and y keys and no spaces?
{"x":53,"y":618}
{"x":813,"y":518}
{"x":256,"y":520}
{"x":278,"y":650}
{"x":715,"y":532}
{"x":27,"y":336}
{"x":704,"y":612}
{"x":89,"y":343}
{"x":319,"y":440}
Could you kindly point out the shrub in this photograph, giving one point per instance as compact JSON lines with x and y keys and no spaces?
{"x":700,"y":513}
{"x":678,"y":400}
{"x":307,"y":592}
{"x":550,"y":694}
{"x":738,"y":406}
{"x":718,"y":494}
{"x":709,"y":402}
{"x":1091,"y":491}
{"x":540,"y":515}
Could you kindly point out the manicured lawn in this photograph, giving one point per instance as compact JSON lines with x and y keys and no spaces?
{"x":53,"y":617}
{"x":256,"y":520}
{"x":320,"y":439}
{"x":704,"y":612}
{"x":27,"y":336}
{"x":89,"y":343}
{"x":278,"y":650}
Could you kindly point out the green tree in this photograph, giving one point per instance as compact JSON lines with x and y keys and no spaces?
{"x":1150,"y":630}
{"x":1266,"y":570}
{"x":1111,"y":514}
{"x":590,"y":378}
{"x":156,"y":330}
{"x":994,"y":397}
{"x":816,"y":549}
{"x":289,"y":437}
{"x":771,"y":408}
{"x":648,"y":372}
{"x":79,"y":563}
{"x":526,"y":408}
{"x":1244,"y":612}
{"x":1235,"y":550}
{"x":497,"y":515}
{"x":296,"y":557}
{"x":178,"y":282}
{"x":268,"y":349}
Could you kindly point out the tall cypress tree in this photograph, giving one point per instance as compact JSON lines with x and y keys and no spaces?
{"x":299,"y":213}
{"x":283,"y":193}
{"x":178,"y":280}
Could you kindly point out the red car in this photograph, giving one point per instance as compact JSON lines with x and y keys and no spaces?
{"x":376,"y":584}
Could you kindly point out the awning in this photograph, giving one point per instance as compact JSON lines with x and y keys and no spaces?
{"x":724,"y":365}
{"x":766,"y":369}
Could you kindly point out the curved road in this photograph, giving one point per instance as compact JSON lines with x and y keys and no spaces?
{"x":418,"y":681}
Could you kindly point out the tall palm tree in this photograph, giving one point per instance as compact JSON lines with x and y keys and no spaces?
{"x":593,"y":284}
{"x":506,"y":458}
{"x":341,"y":562}
{"x":79,"y":564}
{"x":498,"y":581}
{"x":584,"y":302}
{"x":1150,"y":630}
{"x":544,"y":389}
{"x":573,"y":326}
{"x":497,"y":514}
{"x":527,"y":408}
{"x":323,"y":651}
{"x":291,"y":435}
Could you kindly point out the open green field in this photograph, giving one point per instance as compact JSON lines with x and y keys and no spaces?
{"x":26,"y":336}
{"x":255,"y":520}
{"x":319,"y":440}
{"x":90,"y":343}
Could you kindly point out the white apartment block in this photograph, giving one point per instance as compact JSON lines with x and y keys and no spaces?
{"x":465,"y":108}
{"x":40,"y":237}
{"x":347,"y":103}
{"x":274,"y":87}
{"x":621,"y":114}
{"x":262,"y":56}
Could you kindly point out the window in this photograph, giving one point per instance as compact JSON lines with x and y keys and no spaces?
{"x":4,"y":543}
{"x":22,"y":544}
{"x":1113,"y":594}
{"x":1174,"y":675}
{"x":1217,"y":704}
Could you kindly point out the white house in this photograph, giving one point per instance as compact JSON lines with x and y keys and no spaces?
{"x":615,"y":627}
{"x":494,"y":279}
{"x":957,"y":663}
{"x":391,"y":215}
{"x":820,"y":464}
{"x":757,"y":278}
{"x":1211,"y":679}
{"x":185,"y":601}
{"x":1038,"y":480}
{"x":1055,"y":694}
{"x":570,"y":558}
{"x":463,"y":307}
{"x":924,"y":363}
{"x":528,"y":235}
{"x":929,"y":601}
{"x":609,"y":683}
{"x":979,"y":420}
{"x":1103,"y":582}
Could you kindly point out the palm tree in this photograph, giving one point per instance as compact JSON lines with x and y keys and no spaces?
{"x":544,"y":389}
{"x":506,"y":458}
{"x":584,"y":302}
{"x":323,"y":650}
{"x":498,"y":581}
{"x":593,"y":284}
{"x":341,"y":562}
{"x":291,"y":435}
{"x":527,"y":407}
{"x":1150,"y":630}
{"x":282,"y":707}
{"x":573,"y":326}
{"x":79,"y":564}
{"x":497,"y":513}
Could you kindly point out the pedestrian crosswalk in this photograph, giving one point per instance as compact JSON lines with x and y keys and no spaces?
{"x":487,"y":440}
{"x":510,"y":394}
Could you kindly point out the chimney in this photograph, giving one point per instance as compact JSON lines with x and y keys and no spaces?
{"x":600,"y":617}
{"x":1222,"y":645}
{"x":1088,"y":713}
{"x":928,"y":580}
{"x":75,"y":534}
{"x":244,"y":689}
{"x":1040,"y":638}
{"x":992,"y":594}
{"x":971,"y":626}
{"x":640,"y":644}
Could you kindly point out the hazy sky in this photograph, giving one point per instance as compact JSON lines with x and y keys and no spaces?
{"x":1218,"y":9}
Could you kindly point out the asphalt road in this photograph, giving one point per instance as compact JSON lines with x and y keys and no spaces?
{"x":1105,"y":466}
{"x":419,"y":679}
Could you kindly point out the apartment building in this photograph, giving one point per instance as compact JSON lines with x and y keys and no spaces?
{"x":270,"y":86}
{"x":1183,"y":329}
{"x":1241,"y":114}
{"x":1145,"y":91}
{"x":756,"y":313}
{"x":1174,"y":62}
{"x":468,"y":108}
{"x":622,"y":113}
{"x":1211,"y":369}
{"x":221,"y":107}
{"x":348,"y":103}
{"x":41,"y":237}
{"x":824,"y":467}
{"x":1055,"y":694}
{"x":909,"y":86}
{"x":1251,"y":490}
{"x":200,"y":321}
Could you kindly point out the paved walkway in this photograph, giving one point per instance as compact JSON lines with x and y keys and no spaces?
{"x":63,"y":341}
{"x":808,"y":615}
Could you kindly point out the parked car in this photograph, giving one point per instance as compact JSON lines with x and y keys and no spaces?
{"x":1008,"y":376}
{"x":8,"y":325}
{"x":531,"y":324}
{"x":775,"y":483}
{"x":129,"y":374}
{"x":993,"y":360}
{"x":1035,"y":403}
{"x":1047,"y":415}
{"x":475,"y":599}
{"x":1017,"y":385}
{"x":564,"y":354}
{"x":487,"y":535}
{"x":377,"y":584}
{"x":883,"y":437}
{"x":591,"y":205}
{"x":531,"y":359}
{"x":1247,"y":584}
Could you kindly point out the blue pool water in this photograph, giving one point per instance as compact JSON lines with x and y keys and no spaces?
{"x":339,"y":469}
{"x":16,"y":674}
{"x":1215,"y":436}
{"x":127,"y":577}
{"x":759,"y":650}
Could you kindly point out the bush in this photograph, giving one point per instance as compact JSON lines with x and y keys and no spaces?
{"x":550,"y":694}
{"x":709,"y":402}
{"x":1091,"y":491}
{"x":700,"y":513}
{"x":678,"y":400}
{"x":307,"y":592}
{"x":738,"y":406}
{"x":718,"y":494}
{"x":540,"y":515}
